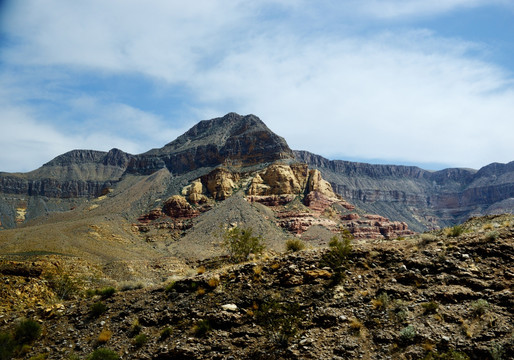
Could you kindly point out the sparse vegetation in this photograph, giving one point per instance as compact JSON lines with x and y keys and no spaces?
{"x":63,"y":285}
{"x":491,"y":235}
{"x":140,"y":340}
{"x":280,"y":320}
{"x":455,"y":231}
{"x":169,"y":287}
{"x":17,"y":343}
{"x":202,"y":327}
{"x":166,"y":333}
{"x":479,"y":307}
{"x":337,"y":255}
{"x":449,"y":355}
{"x":407,"y":334}
{"x":106,"y":292}
{"x":430,"y":307}
{"x":382,"y":301}
{"x":240,"y":243}
{"x":103,"y":354}
{"x":135,"y":328}
{"x":104,"y":336}
{"x":27,"y":331}
{"x":295,"y":245}
{"x":97,"y":309}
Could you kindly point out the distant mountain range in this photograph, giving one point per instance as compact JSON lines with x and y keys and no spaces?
{"x":422,"y":199}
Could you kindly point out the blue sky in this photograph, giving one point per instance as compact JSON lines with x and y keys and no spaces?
{"x":428,"y":83}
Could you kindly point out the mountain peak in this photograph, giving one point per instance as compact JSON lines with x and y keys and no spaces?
{"x":231,"y":139}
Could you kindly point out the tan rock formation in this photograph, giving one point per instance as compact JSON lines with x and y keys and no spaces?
{"x":195,"y":192}
{"x":177,"y":207}
{"x":220,"y":183}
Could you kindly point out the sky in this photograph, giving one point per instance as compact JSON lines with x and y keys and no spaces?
{"x":409,"y":82}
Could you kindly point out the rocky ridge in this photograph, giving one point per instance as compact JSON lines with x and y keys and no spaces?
{"x":423,"y":199}
{"x":440,"y":294}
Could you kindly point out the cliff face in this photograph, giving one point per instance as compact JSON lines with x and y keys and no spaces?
{"x":421,"y":198}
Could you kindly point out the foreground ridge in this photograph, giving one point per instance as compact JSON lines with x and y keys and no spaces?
{"x":442,"y":293}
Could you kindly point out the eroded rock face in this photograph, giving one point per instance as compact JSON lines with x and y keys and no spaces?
{"x":178,"y":207}
{"x":375,"y":227}
{"x":220,"y":183}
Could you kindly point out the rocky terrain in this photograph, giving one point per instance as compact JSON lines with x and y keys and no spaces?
{"x":440,"y":295}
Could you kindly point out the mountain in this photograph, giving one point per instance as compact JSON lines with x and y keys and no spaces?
{"x":423,"y":199}
{"x":167,"y":200}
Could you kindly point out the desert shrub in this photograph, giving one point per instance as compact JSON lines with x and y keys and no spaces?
{"x":491,"y":235}
{"x":166,"y":333}
{"x":103,"y":354}
{"x":106,"y":292}
{"x":407,"y":334}
{"x":382,"y":301}
{"x":63,"y":285}
{"x":280,"y":321}
{"x":135,"y":328}
{"x":140,"y":340}
{"x":430,"y":307}
{"x":427,"y":239}
{"x":7,"y":345}
{"x":169,"y":288}
{"x":130,"y":285}
{"x":27,"y":331}
{"x":97,"y":309}
{"x":241,"y":242}
{"x":449,"y":355}
{"x":39,"y":357}
{"x":202,"y":327}
{"x":456,"y":231}
{"x":488,"y":226}
{"x":497,"y":351}
{"x":295,"y":245}
{"x":104,"y":336}
{"x":337,"y":255}
{"x":479,"y":307}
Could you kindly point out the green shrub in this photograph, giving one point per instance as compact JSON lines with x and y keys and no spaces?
{"x":140,"y":340}
{"x":491,"y":235}
{"x":166,"y":333}
{"x":337,"y":255}
{"x":103,"y":354}
{"x":135,"y":329}
{"x":202,"y":327}
{"x":97,"y":309}
{"x":407,"y":334}
{"x":430,"y":307}
{"x":63,"y":285}
{"x":240,"y":243}
{"x":169,"y":288}
{"x":280,"y":321}
{"x":455,"y":231}
{"x":27,"y":331}
{"x":295,"y":245}
{"x":479,"y":307}
{"x":449,"y":355}
{"x":106,"y":292}
{"x":7,"y":345}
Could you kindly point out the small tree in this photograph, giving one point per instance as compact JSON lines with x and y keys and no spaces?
{"x":241,"y":242}
{"x":337,"y":255}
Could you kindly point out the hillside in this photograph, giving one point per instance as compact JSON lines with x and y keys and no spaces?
{"x":445,"y":295}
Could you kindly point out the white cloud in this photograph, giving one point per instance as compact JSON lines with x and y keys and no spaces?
{"x":394,"y":9}
{"x":404,"y":96}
